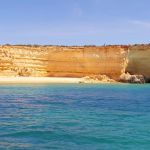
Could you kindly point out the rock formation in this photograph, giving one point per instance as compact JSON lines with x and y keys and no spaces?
{"x":75,"y":61}
{"x":127,"y":78}
{"x":139,"y":61}
{"x":97,"y":79}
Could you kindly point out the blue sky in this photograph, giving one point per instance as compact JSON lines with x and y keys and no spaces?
{"x":74,"y":22}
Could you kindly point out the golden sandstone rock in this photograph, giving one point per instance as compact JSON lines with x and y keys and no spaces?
{"x":61,"y":61}
{"x":139,"y":61}
{"x":97,"y":78}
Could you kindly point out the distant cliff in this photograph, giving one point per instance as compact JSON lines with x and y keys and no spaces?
{"x":139,"y":60}
{"x":61,"y":61}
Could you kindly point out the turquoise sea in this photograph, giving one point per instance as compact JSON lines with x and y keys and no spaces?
{"x":74,"y":117}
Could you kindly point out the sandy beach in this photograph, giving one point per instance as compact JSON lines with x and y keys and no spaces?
{"x":34,"y":80}
{"x":16,"y":80}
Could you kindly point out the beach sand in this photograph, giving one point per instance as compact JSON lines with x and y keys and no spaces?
{"x":15,"y":80}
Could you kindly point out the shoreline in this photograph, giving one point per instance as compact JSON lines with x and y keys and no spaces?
{"x":36,"y":80}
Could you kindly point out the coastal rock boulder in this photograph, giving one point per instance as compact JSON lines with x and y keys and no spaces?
{"x":127,"y":78}
{"x":97,"y":79}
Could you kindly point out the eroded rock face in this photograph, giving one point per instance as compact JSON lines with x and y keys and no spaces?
{"x":139,"y":60}
{"x":127,"y":78}
{"x":97,"y":79}
{"x":23,"y":61}
{"x":61,"y":61}
{"x":57,"y":61}
{"x":85,"y":61}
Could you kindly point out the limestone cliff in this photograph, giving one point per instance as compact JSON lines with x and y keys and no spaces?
{"x":23,"y":61}
{"x":84,"y":61}
{"x":61,"y":61}
{"x":139,"y":60}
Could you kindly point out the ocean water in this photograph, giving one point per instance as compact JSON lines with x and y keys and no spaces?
{"x":74,"y":117}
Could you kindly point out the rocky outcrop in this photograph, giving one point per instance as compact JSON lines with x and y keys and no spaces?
{"x":75,"y":61}
{"x":127,"y":78}
{"x":97,"y":79}
{"x":60,"y":61}
{"x":86,"y":61}
{"x":139,"y":60}
{"x":23,"y":61}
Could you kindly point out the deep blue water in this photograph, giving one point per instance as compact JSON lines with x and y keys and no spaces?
{"x":75,"y":117}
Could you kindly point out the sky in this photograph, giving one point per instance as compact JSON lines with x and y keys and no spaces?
{"x":74,"y":22}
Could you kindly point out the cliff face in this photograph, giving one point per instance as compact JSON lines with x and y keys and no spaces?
{"x":84,"y":61}
{"x":23,"y":61}
{"x":60,"y":61}
{"x":139,"y":60}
